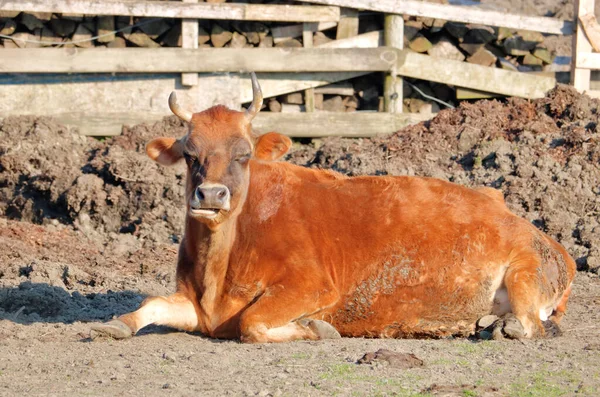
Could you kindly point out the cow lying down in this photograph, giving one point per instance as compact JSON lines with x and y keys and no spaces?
{"x":274,"y":252}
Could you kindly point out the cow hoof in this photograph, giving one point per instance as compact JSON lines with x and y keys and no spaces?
{"x":512,"y":327}
{"x":323,"y":329}
{"x":115,"y":329}
{"x":552,"y":330}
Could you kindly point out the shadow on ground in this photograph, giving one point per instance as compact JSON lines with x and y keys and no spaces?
{"x":39,"y":302}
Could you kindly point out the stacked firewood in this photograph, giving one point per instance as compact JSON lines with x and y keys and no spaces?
{"x":483,"y":45}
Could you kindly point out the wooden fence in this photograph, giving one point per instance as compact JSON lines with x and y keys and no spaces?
{"x":141,"y":75}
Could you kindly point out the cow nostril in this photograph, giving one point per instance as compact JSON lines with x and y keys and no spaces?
{"x":199,"y":194}
{"x":221,"y":194}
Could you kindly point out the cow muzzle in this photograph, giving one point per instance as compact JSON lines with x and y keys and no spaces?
{"x":209,"y":200}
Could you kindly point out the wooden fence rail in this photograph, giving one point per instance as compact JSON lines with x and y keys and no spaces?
{"x":456,"y":13}
{"x":249,"y":12}
{"x":175,"y":60}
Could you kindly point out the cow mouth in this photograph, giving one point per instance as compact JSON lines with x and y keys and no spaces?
{"x":205,"y":212}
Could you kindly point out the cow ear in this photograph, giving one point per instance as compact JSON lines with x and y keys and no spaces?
{"x":165,"y":151}
{"x":272,"y":146}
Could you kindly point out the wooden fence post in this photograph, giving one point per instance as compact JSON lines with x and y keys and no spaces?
{"x":580,"y":78}
{"x":307,"y":39}
{"x":393,"y":36}
{"x":189,"y":39}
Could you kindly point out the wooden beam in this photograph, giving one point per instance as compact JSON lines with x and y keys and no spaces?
{"x":323,"y":124}
{"x":393,"y":86}
{"x":365,"y":40}
{"x":306,"y":125}
{"x":588,"y":60}
{"x":592,"y":30}
{"x":580,"y":75}
{"x":247,"y":12}
{"x":348,"y":25}
{"x":189,"y":39}
{"x":274,"y":84}
{"x":174,"y":60}
{"x":463,"y":74}
{"x":466,"y":14}
{"x":307,"y":41}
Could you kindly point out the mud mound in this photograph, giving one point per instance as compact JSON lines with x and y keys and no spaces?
{"x":544,"y":155}
{"x":50,"y":174}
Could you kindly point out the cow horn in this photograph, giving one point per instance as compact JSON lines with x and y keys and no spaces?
{"x":257,"y":98}
{"x":177,"y":110}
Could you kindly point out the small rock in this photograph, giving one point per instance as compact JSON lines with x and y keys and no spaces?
{"x":393,"y":359}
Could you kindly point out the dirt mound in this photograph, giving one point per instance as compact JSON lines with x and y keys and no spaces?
{"x":51,"y":174}
{"x":543,"y":154}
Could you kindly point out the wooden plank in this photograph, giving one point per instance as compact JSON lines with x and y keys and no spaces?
{"x":274,"y":84}
{"x":336,"y":89}
{"x":189,"y":39}
{"x":393,"y":86}
{"x":588,"y":60}
{"x":283,"y":33}
{"x":591,"y":29}
{"x":313,"y":125}
{"x":307,"y":41}
{"x":365,"y":40}
{"x":348,"y":25}
{"x":467,"y":93}
{"x":580,"y":75}
{"x":174,"y":60}
{"x":456,"y":13}
{"x":248,"y":12}
{"x":473,"y":76}
{"x":323,"y":124}
{"x":179,"y":60}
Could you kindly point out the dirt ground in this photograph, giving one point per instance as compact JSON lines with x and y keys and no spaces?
{"x":88,"y":228}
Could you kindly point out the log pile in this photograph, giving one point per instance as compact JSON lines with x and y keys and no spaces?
{"x":482,"y":45}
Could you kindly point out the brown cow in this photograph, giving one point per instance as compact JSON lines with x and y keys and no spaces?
{"x":275,"y":252}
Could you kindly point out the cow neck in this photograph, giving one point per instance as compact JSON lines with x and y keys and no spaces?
{"x":209,"y":251}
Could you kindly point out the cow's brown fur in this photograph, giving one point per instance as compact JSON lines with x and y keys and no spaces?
{"x":373,"y":256}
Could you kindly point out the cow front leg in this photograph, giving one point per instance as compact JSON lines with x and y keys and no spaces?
{"x":283,"y":314}
{"x":176,"y":311}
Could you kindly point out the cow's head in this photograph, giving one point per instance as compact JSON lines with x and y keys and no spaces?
{"x":217,"y":150}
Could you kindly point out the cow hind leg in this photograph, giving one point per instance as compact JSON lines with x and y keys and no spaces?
{"x":175,"y":311}
{"x":526,"y":289}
